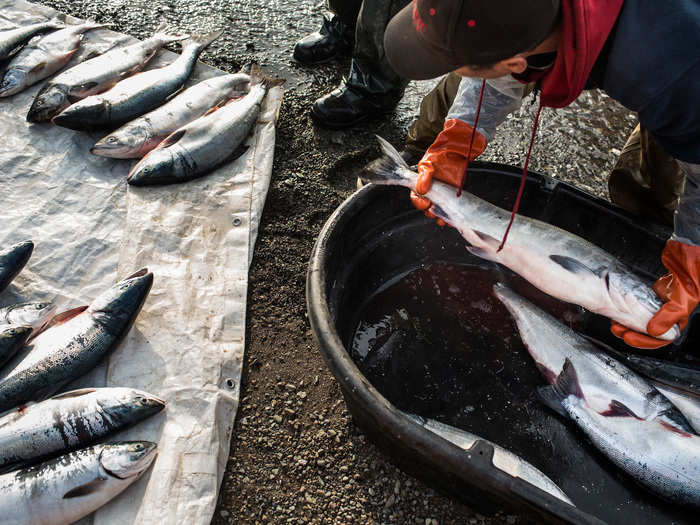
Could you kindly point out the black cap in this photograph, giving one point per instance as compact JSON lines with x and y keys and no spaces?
{"x":432,"y":37}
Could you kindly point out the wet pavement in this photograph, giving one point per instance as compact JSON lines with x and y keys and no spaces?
{"x":296,"y":455}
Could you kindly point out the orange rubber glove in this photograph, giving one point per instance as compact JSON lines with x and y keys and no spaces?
{"x":680,"y":289}
{"x":446,"y":160}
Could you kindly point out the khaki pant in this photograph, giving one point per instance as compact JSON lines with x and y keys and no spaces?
{"x":645,"y":179}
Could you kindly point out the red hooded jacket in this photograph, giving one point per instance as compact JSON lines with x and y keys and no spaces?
{"x":586,"y":25}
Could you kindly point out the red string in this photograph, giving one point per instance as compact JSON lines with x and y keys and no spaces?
{"x":471,"y":142}
{"x":522,"y":179}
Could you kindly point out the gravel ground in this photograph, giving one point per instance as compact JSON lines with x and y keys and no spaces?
{"x":296,"y":455}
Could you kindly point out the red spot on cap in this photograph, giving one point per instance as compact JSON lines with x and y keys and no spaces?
{"x":471,"y":23}
{"x":432,"y":11}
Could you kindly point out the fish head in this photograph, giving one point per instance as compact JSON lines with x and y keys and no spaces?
{"x":50,"y":101}
{"x":83,"y":114}
{"x":12,"y":82}
{"x":635,"y":301}
{"x":35,"y":315}
{"x":14,"y":334}
{"x":129,"y":458}
{"x":154,"y":168}
{"x":117,"y":307}
{"x":126,"y":142}
{"x":128,"y":406}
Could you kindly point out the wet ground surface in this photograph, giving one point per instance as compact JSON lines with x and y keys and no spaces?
{"x":296,"y":455}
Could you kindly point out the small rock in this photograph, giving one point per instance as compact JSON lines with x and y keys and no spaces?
{"x":277,"y":418}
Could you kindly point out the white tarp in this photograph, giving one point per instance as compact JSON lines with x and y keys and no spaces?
{"x":90,"y":229}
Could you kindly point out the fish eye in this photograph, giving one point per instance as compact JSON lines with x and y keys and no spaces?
{"x":138,"y":446}
{"x":112,"y":139}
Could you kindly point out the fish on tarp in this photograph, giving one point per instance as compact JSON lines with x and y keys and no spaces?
{"x":70,"y":421}
{"x":69,"y":487}
{"x":67,"y":350}
{"x":503,"y":459}
{"x":205,"y":143}
{"x":34,"y":315}
{"x":12,"y":260}
{"x":95,"y":75}
{"x":43,"y":57}
{"x":136,"y":95}
{"x":12,"y":40}
{"x":141,"y":135}
{"x":557,"y":262}
{"x":12,"y":339}
{"x":624,"y":416}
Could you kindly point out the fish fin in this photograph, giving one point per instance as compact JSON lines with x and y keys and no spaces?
{"x":387,"y":169}
{"x":567,"y":383}
{"x":548,"y":395}
{"x":217,"y":107}
{"x":489,"y":250}
{"x":618,"y":409}
{"x":75,"y":393}
{"x":481,"y":253}
{"x":172,"y":138}
{"x":573,"y":266}
{"x":86,"y":489}
{"x":204,"y":40}
{"x":66,"y":316}
{"x":258,"y":77}
{"x":85,"y":87}
{"x":37,"y":68}
{"x":440,"y":213}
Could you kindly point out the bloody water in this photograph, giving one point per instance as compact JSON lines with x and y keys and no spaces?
{"x":438,"y":338}
{"x":438,"y":343}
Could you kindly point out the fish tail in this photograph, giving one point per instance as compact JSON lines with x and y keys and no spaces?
{"x":203,"y":40}
{"x":58,"y":21}
{"x":162,"y":35}
{"x":89,"y":25}
{"x":257,"y":77}
{"x":390,"y":168}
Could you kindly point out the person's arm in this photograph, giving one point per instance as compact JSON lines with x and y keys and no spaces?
{"x":446,"y":158}
{"x":680,"y":288}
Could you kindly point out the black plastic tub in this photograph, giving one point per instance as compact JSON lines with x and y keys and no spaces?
{"x":376,"y":237}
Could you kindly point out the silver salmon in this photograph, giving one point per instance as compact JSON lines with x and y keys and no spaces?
{"x":625,"y":417}
{"x":557,"y":262}
{"x":137,"y":94}
{"x":12,"y":339}
{"x":67,"y":488}
{"x":12,"y":39}
{"x":34,"y":315}
{"x":12,"y":260}
{"x":138,"y":137}
{"x":503,"y":459}
{"x":42,"y":58}
{"x":68,"y":350}
{"x":70,"y":421}
{"x":95,"y":76}
{"x":200,"y":146}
